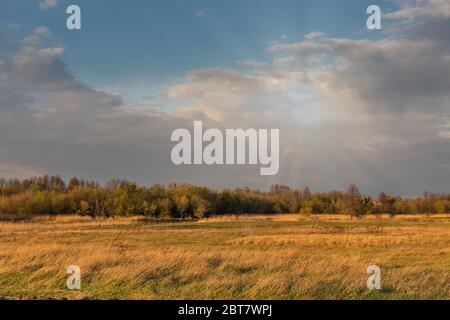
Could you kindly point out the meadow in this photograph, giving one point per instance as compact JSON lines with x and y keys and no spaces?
{"x":229,"y":257}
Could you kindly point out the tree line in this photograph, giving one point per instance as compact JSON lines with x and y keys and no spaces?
{"x":51,"y":195}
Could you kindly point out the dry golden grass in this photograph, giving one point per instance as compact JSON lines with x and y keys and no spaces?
{"x":245,"y":257}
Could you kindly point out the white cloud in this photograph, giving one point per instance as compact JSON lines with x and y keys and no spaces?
{"x":200,"y":83}
{"x":37,"y":36}
{"x":47,"y":4}
{"x":300,"y":48}
{"x":421,"y":8}
{"x":314,"y":35}
{"x":444,"y":134}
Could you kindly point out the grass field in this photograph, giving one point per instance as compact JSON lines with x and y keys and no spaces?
{"x":252,"y":257}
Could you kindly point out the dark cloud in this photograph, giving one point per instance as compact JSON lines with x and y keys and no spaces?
{"x":40,"y":69}
{"x":394,"y":75}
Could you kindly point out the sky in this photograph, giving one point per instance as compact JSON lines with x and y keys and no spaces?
{"x":370,"y":107}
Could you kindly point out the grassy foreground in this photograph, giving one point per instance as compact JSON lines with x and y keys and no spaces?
{"x":253,"y":257}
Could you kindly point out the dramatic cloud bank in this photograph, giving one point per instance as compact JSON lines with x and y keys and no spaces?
{"x":371,"y":112}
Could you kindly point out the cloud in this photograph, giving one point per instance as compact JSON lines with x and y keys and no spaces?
{"x":408,"y":71}
{"x":299,"y":54}
{"x":37,"y":36}
{"x":420,"y":8}
{"x":13,"y":170}
{"x":364,"y":111}
{"x":314,"y":35}
{"x":51,"y":122}
{"x":444,"y":134}
{"x":303,"y":48}
{"x":47,"y":4}
{"x":201,"y":82}
{"x":40,"y":69}
{"x":391,"y":75}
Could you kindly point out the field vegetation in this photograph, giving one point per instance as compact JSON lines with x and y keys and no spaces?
{"x":50,"y":195}
{"x":227,"y":257}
